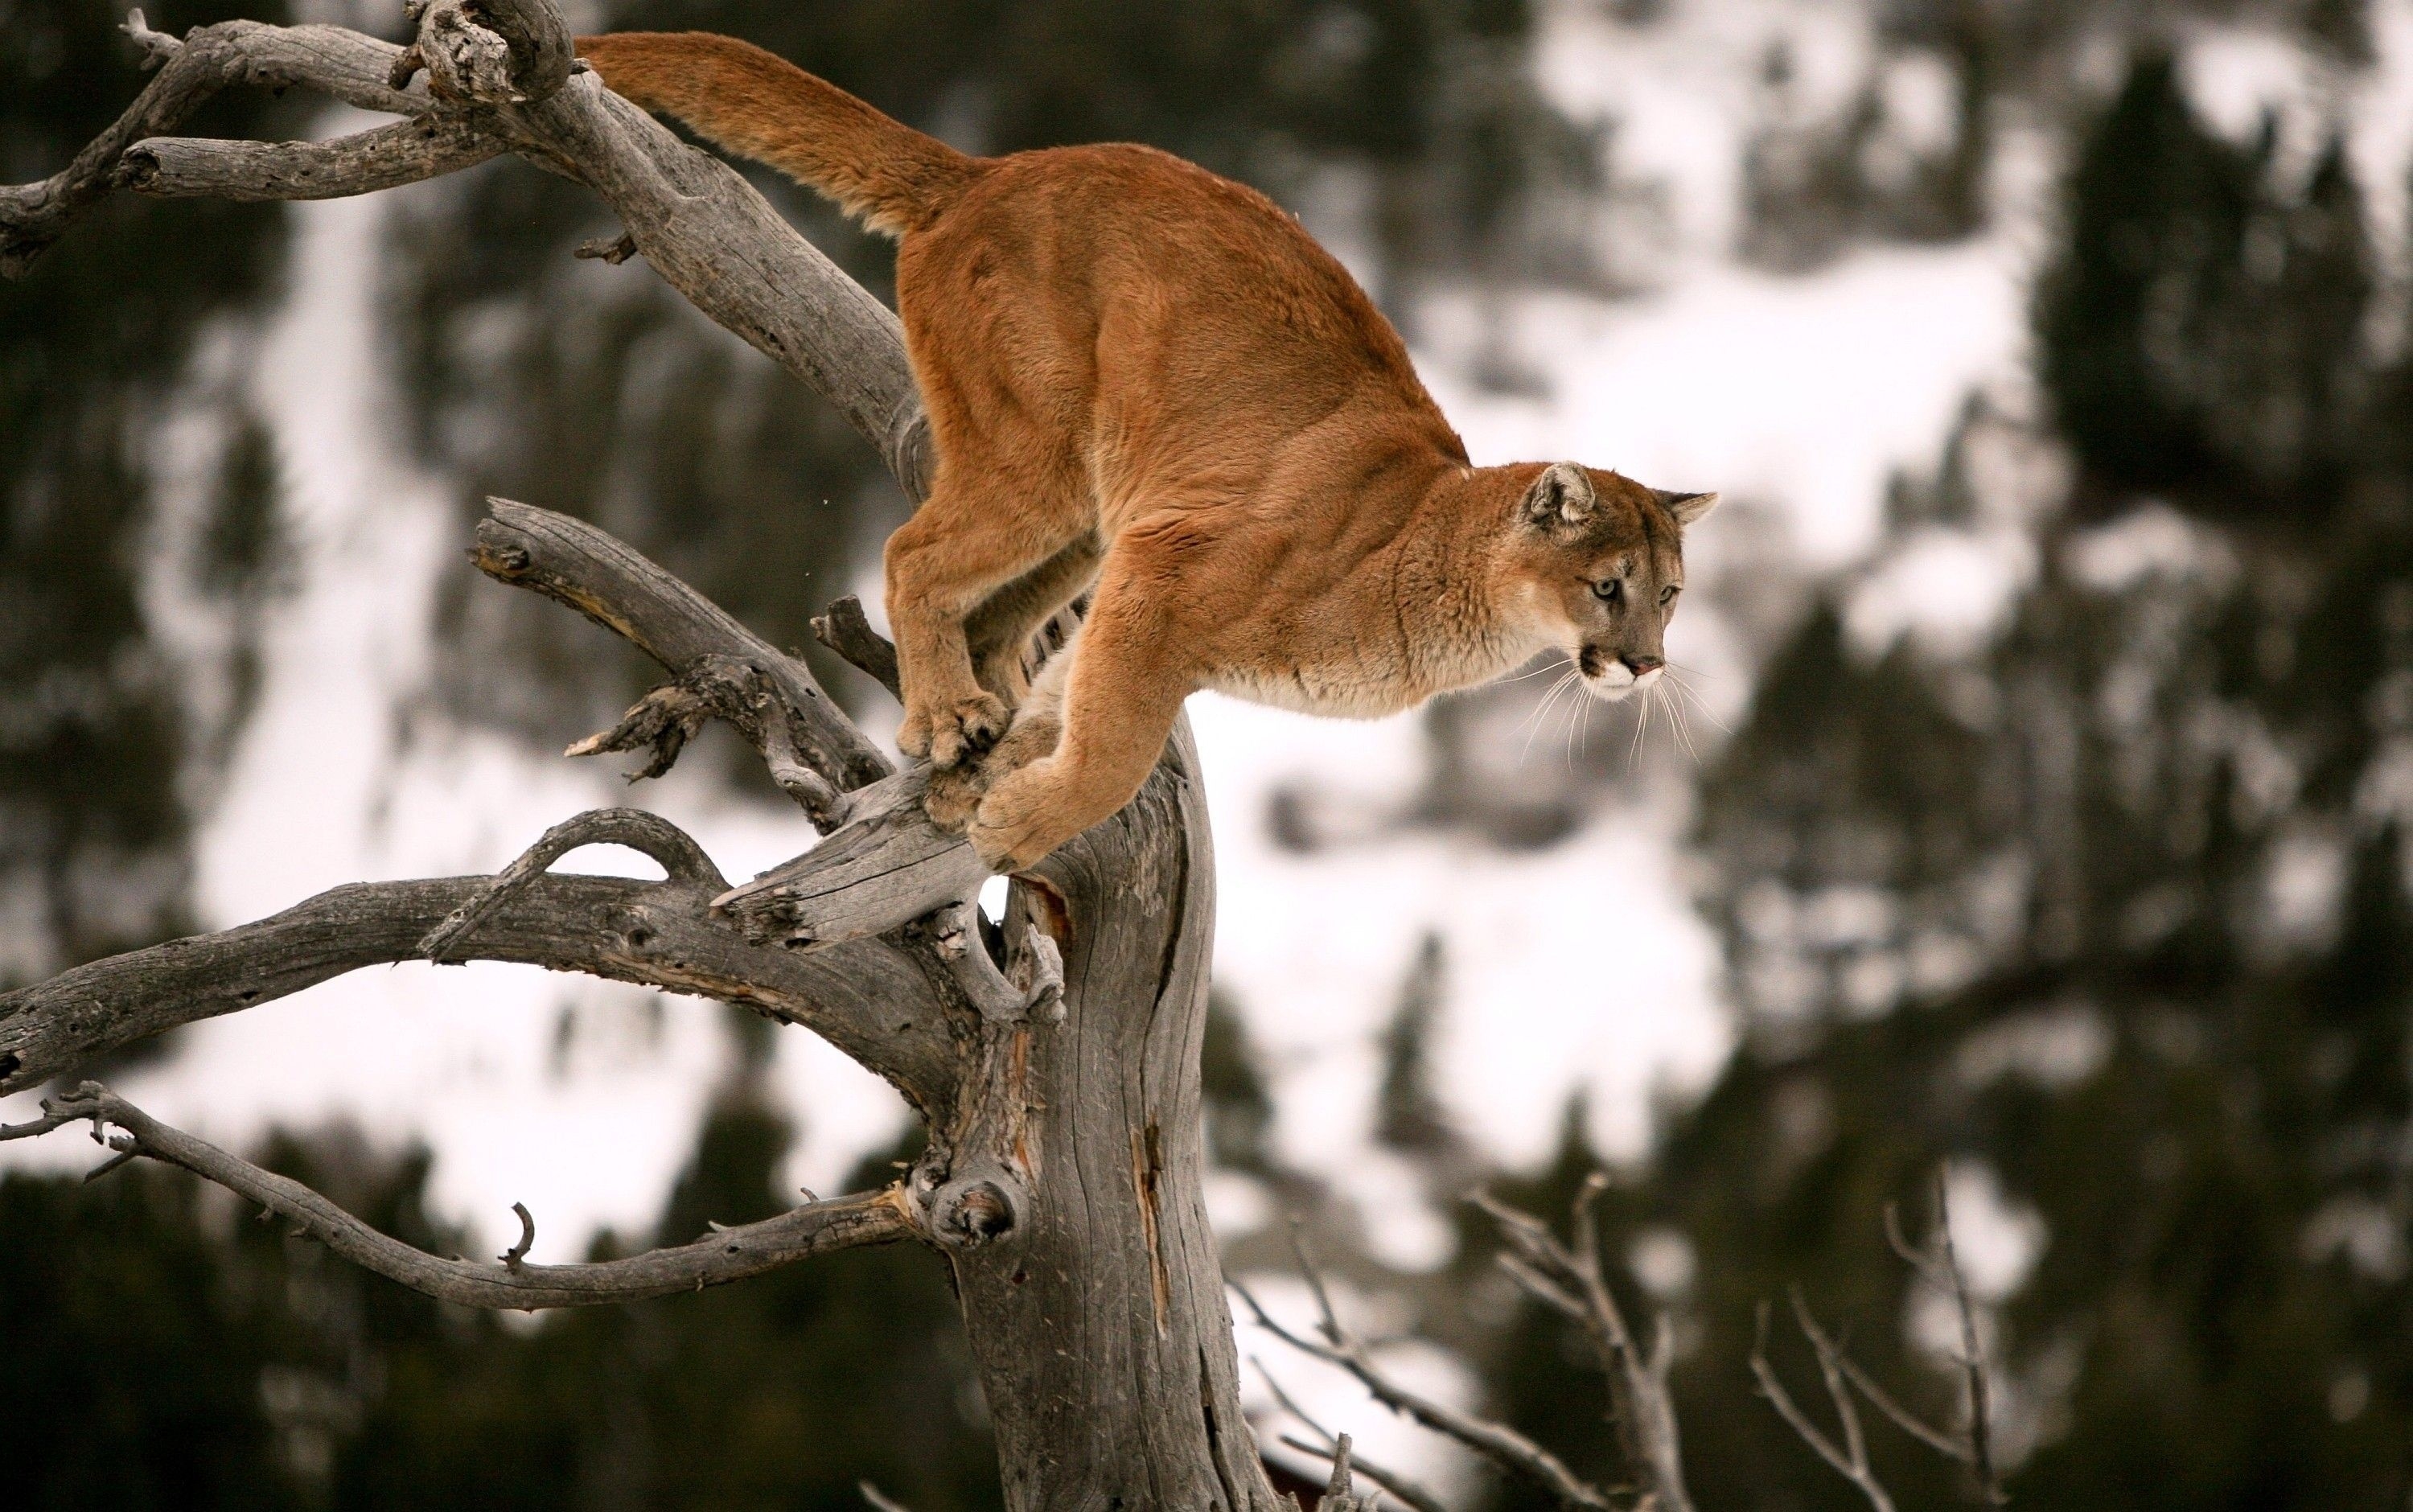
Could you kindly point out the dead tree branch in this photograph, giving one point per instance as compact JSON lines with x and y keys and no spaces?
{"x":1499,"y":1444}
{"x":1849,"y":1459}
{"x":648,"y":834}
{"x":1939,"y":1266}
{"x":343,"y":65}
{"x":726,"y":1256}
{"x":1971,"y":1444}
{"x":588,"y":570}
{"x":1411,"y":1493}
{"x":1573,"y":1282}
{"x":873,"y":999}
{"x":845,"y":631}
{"x":388,"y":157}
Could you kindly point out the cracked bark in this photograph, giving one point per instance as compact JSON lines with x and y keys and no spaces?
{"x":1060,"y":1084}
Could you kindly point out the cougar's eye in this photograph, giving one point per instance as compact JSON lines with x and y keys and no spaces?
{"x":1667,"y":594}
{"x":1608,"y":589}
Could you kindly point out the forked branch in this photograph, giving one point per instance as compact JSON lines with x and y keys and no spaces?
{"x":1330,"y":1447}
{"x":1499,"y":1444}
{"x":1938,"y":1265}
{"x":1573,"y":1281}
{"x":1850,"y":1457}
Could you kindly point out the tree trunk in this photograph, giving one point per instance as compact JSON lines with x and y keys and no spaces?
{"x":1103,"y":1339}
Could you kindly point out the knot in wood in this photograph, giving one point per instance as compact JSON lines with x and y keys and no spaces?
{"x":965,"y":1215}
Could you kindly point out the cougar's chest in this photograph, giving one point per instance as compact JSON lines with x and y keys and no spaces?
{"x":1363,"y":679}
{"x":1334,"y":690}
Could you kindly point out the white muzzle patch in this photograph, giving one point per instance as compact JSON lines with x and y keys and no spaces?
{"x":1618,"y":681}
{"x":1614,"y":683}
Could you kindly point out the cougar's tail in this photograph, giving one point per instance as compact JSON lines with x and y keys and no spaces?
{"x":880,"y":171}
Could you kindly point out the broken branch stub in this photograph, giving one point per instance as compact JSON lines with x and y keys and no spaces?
{"x":886,"y":869}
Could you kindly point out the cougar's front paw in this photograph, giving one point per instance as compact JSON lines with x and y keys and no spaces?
{"x":950,"y":732}
{"x":955,"y":794}
{"x":1017,"y":824}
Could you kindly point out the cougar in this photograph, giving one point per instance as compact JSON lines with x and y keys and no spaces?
{"x":1148,"y":382}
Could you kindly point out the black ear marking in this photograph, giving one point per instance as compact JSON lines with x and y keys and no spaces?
{"x":1688,"y":508}
{"x":1561,"y":499}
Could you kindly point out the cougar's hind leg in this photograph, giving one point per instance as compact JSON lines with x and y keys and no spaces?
{"x":999,"y":631}
{"x":961,"y":547}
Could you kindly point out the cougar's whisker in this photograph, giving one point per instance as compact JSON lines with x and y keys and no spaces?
{"x":1533,"y":720}
{"x":1700,"y":705}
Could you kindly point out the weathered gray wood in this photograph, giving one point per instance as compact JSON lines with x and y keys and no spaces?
{"x":486,"y":51}
{"x":889,"y":867}
{"x":336,"y":62}
{"x":845,"y":631}
{"x":1104,"y":1343}
{"x":209,"y":168}
{"x":718,"y":1258}
{"x":594,"y":572}
{"x":874,"y":1000}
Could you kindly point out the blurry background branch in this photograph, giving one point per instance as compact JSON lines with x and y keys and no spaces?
{"x":1570,"y":1279}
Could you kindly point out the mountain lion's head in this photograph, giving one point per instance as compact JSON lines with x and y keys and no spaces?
{"x":1605,"y":557}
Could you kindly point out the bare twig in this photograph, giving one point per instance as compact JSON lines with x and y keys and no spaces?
{"x":1407,"y":1490}
{"x":1496,"y":1442}
{"x":158,"y":47}
{"x":1850,"y":1459}
{"x":1411,"y":1493}
{"x":746,"y":696}
{"x":517,"y":1253}
{"x":1940,"y":1268}
{"x":845,"y":1223}
{"x":1948,"y":1445}
{"x":614,"y":251}
{"x":1340,"y":1491}
{"x":1573,"y":1282}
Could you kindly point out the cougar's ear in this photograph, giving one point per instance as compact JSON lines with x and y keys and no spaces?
{"x":1560,"y":499}
{"x":1688,"y":508}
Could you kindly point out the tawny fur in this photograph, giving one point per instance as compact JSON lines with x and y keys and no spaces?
{"x":1149,"y":379}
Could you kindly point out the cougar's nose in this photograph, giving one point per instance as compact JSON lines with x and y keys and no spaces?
{"x":1643,"y":665}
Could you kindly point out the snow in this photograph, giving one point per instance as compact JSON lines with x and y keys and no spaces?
{"x":1952,"y":590}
